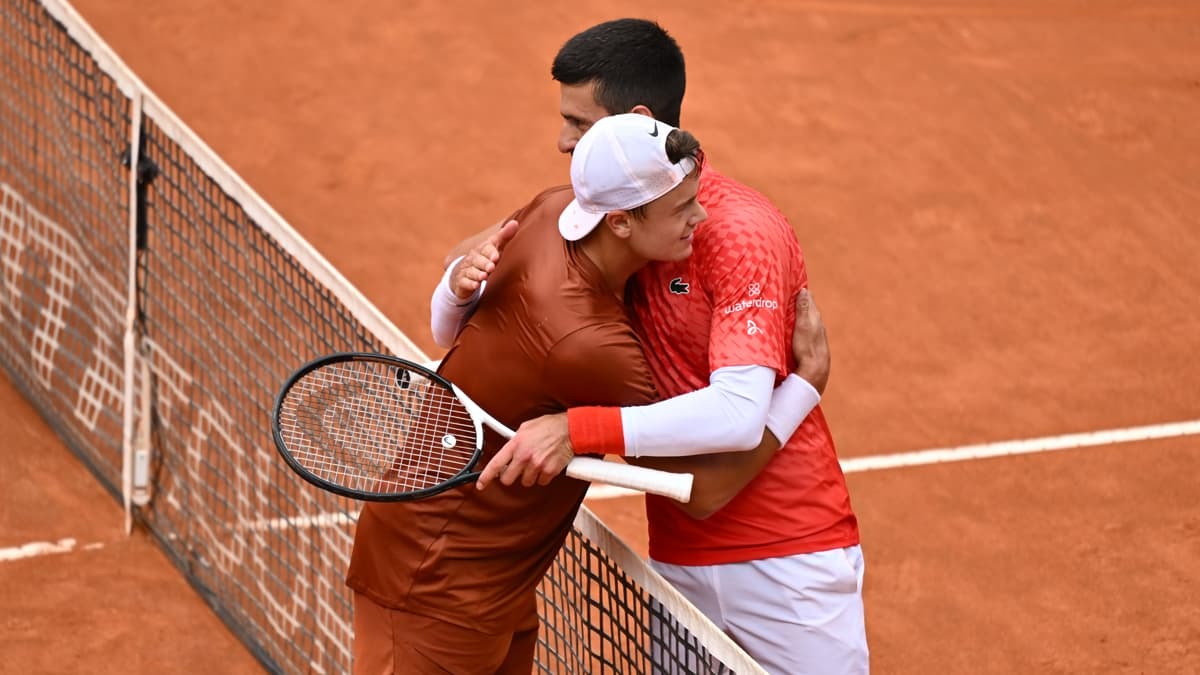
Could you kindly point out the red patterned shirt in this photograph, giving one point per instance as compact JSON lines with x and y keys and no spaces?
{"x":732,"y":303}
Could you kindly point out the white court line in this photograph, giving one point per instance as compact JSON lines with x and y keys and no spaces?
{"x":319,"y":520}
{"x":966,"y":452}
{"x":854,"y":465}
{"x":40,"y":548}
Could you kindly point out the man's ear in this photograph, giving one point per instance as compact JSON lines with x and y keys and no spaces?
{"x":641,"y":110}
{"x":620,"y":223}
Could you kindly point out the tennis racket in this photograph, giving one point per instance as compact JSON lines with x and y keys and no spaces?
{"x":379,"y":428}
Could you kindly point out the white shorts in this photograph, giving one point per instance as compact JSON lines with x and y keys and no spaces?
{"x":795,"y":615}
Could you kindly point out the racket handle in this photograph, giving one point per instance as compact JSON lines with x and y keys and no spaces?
{"x":677,"y":486}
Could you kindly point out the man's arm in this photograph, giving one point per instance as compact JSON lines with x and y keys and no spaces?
{"x":729,"y":414}
{"x":717,"y":477}
{"x":462,"y":285}
{"x":543,"y":446}
{"x":726,"y":415}
{"x":720,"y":477}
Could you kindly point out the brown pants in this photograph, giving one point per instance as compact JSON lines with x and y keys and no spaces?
{"x":392,"y":642}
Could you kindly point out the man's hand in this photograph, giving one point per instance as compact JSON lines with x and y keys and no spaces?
{"x":539,"y":451}
{"x":810,"y":345}
{"x":479,"y":262}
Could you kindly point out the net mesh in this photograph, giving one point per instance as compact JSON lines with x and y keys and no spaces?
{"x":63,"y":126}
{"x":226,"y":310}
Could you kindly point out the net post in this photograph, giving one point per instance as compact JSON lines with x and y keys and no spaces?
{"x":135,"y":443}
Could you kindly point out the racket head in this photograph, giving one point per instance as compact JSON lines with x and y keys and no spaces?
{"x":375,"y":427}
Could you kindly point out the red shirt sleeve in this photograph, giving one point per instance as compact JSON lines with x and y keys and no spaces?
{"x":753,"y":278}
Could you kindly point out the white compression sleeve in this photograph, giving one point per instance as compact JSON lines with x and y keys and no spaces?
{"x":447,"y":312}
{"x":792,"y":401}
{"x":728,"y":414}
{"x":725,"y":416}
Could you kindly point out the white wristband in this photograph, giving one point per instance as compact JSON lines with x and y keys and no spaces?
{"x":791,"y":403}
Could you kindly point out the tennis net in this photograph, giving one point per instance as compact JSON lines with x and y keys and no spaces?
{"x":151,"y":305}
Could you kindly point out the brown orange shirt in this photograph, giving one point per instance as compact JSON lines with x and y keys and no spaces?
{"x":547,"y":335}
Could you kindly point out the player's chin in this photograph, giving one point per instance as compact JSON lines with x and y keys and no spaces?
{"x":681,"y":252}
{"x":674,"y":252}
{"x":684,"y":248}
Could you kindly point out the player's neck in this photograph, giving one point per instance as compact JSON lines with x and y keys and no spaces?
{"x":613,"y":257}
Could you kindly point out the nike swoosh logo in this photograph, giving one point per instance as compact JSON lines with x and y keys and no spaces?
{"x":655,"y":132}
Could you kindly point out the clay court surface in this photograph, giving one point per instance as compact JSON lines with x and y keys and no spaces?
{"x":999,"y":205}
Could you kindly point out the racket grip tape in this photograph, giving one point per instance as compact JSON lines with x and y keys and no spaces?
{"x":677,"y":486}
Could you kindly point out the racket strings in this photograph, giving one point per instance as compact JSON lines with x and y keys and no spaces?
{"x":375,"y":427}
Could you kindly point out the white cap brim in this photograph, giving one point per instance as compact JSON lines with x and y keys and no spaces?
{"x":574,"y":223}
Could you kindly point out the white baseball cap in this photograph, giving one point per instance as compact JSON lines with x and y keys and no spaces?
{"x":619,"y":164}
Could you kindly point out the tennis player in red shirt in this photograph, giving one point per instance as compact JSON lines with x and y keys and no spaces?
{"x":779,"y":567}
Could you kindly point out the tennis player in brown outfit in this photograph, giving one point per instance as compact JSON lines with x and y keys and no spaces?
{"x":447,"y":584}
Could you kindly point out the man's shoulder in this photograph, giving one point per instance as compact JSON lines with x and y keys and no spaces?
{"x":555,"y":198}
{"x":744,"y":229}
{"x":564,"y":303}
{"x":723,"y":190}
{"x":735,"y":205}
{"x":756,"y":230}
{"x":538,"y":231}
